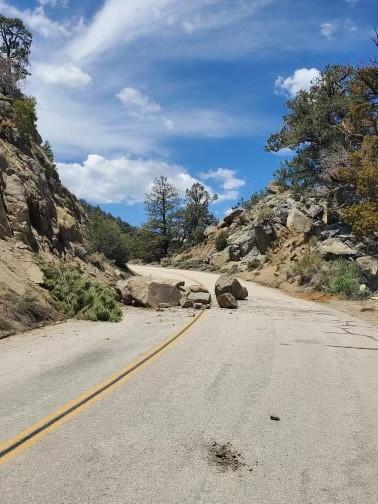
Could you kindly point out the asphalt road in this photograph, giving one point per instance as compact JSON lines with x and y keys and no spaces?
{"x":194,"y":424}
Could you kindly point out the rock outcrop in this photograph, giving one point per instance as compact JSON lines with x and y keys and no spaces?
{"x":39,"y":220}
{"x":266,"y":239}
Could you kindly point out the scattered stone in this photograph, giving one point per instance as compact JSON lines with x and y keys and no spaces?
{"x":200,"y":297}
{"x":227,"y":300}
{"x":198,"y":288}
{"x":198,"y":306}
{"x":165,"y":305}
{"x":186,"y":303}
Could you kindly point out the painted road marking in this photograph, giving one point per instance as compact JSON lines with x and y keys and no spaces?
{"x":17,"y":444}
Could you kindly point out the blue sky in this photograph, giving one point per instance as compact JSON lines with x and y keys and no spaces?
{"x":128,"y":90}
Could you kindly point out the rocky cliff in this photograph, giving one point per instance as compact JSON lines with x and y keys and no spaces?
{"x":288,"y":238}
{"x":40,"y":220}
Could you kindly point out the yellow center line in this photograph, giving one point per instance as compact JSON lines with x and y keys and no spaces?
{"x":17,"y":444}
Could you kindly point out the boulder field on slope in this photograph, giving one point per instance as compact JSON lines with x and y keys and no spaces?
{"x":266,"y":240}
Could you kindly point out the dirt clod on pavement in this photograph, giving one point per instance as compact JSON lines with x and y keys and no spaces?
{"x":225,"y":457}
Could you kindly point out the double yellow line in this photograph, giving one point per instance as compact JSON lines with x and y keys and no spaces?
{"x":17,"y":444}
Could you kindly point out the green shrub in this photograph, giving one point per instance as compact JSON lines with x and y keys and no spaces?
{"x":26,"y":116}
{"x":106,"y":236}
{"x":80,"y":297}
{"x":264,"y":213}
{"x":221,"y":241}
{"x":344,"y":279}
{"x":362,"y":217}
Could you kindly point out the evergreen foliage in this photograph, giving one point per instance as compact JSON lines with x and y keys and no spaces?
{"x":15,"y":43}
{"x":80,"y":297}
{"x":162,"y":204}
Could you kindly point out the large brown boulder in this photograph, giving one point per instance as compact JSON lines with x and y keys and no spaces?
{"x":227,"y":300}
{"x":231,"y":285}
{"x":141,"y":291}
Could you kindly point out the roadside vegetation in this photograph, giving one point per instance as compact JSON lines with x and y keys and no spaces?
{"x":80,"y":297}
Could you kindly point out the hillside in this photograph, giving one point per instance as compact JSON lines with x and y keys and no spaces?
{"x":290,"y":239}
{"x":40,"y":222}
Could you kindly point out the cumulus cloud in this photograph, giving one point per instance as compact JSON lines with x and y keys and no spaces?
{"x":126,"y":179}
{"x":327,"y":29}
{"x":64,"y":75}
{"x":120,"y":180}
{"x":228,"y":182}
{"x":225,"y":176}
{"x":301,"y":80}
{"x":137,"y":103}
{"x":37,"y":20}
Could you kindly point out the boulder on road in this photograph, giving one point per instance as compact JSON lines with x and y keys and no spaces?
{"x":231,"y":285}
{"x":227,"y":300}
{"x":145,"y":292}
{"x":186,"y":303}
{"x":200,"y":297}
{"x":198,"y":288}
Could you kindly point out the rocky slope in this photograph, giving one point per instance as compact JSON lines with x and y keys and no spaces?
{"x":40,"y":220}
{"x":287,"y":239}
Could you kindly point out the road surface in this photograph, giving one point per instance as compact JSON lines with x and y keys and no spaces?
{"x":276,"y":403}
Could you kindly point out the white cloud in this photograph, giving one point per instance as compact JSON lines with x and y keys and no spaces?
{"x":225,"y":176}
{"x":135,"y":19}
{"x":302,"y":79}
{"x":228,"y":182}
{"x":64,"y":75}
{"x":119,"y":180}
{"x":284,"y":152}
{"x":126,"y":179}
{"x":136,"y":102}
{"x":37,"y":20}
{"x":327,"y":30}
